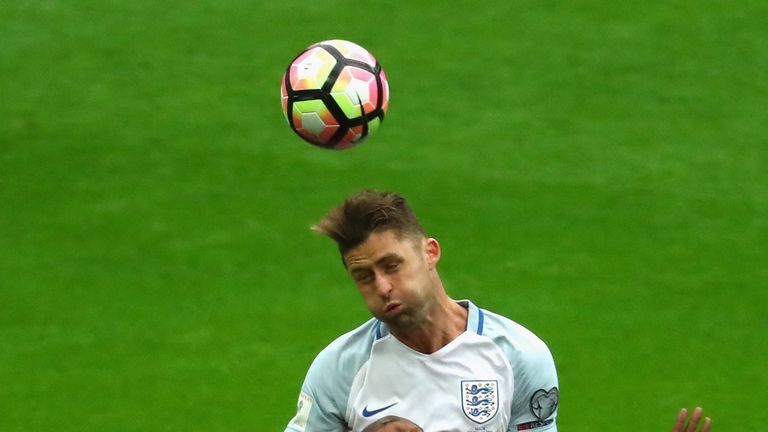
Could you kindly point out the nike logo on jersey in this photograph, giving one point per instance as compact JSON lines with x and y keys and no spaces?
{"x":370,"y":413}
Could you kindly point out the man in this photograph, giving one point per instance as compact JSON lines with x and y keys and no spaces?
{"x":443,"y":365}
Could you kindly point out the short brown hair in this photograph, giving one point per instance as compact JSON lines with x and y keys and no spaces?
{"x":366,"y":212}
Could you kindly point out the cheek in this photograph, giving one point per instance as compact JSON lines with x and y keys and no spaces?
{"x":369,"y":296}
{"x":374,"y":304}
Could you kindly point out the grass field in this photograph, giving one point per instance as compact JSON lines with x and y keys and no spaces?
{"x":595,"y":170}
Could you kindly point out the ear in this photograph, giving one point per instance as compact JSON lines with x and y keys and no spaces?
{"x":432,"y":252}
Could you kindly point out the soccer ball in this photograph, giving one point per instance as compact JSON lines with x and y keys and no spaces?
{"x":334,"y":94}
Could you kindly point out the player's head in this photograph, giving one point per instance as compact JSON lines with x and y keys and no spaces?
{"x":387,"y":255}
{"x":366,"y":212}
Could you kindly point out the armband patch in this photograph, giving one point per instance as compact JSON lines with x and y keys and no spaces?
{"x":303,"y":407}
{"x":544,"y":403}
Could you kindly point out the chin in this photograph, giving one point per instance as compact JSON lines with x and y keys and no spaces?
{"x":401,"y":321}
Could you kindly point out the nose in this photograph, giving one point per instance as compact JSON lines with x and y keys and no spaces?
{"x":383,"y":285}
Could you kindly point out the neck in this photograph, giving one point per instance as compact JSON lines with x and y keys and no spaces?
{"x":444,"y":322}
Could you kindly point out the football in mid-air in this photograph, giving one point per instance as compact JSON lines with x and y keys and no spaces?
{"x":334,"y":94}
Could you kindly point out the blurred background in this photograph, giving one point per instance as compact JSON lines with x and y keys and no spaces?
{"x":594,"y":170}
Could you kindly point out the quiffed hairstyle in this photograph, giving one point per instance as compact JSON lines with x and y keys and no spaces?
{"x":366,"y":212}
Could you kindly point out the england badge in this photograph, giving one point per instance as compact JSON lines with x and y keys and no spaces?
{"x":480,"y":399}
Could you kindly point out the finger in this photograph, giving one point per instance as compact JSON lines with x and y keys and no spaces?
{"x":707,"y":425}
{"x":695,"y":417}
{"x":680,"y":420}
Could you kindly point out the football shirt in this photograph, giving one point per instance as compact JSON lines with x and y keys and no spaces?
{"x":496,"y":376}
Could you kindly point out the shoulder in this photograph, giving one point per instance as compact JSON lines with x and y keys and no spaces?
{"x":528,"y":355}
{"x":536,"y":385}
{"x":338,"y":362}
{"x":513,"y":338}
{"x":327,"y":385}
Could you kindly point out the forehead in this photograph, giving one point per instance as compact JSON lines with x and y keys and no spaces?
{"x":380,"y":245}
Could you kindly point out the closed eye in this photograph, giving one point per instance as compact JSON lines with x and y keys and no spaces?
{"x":362,"y":276}
{"x":391,"y":266}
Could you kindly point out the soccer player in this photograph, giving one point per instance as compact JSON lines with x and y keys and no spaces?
{"x":443,"y":364}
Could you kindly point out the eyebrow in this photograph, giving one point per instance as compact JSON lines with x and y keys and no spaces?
{"x":352,"y":268}
{"x":388,"y":256}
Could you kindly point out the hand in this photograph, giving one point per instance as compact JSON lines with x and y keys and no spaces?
{"x":681,"y":426}
{"x":393,"y":424}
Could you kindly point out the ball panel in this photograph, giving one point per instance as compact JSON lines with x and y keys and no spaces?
{"x":313,"y":121}
{"x":311,"y":69}
{"x":355,"y":87}
{"x":284,"y":98}
{"x":352,"y":51}
{"x":385,"y":90}
{"x":373,"y":125}
{"x":350,"y":139}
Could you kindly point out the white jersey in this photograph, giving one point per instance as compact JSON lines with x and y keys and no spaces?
{"x":496,"y":376}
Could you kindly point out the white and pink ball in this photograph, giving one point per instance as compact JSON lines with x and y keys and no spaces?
{"x":334,"y":94}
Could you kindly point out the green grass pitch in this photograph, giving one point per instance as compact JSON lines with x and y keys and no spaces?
{"x":597,"y":171}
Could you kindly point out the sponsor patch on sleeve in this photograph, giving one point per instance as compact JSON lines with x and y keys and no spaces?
{"x":534,"y":424}
{"x":303,"y":407}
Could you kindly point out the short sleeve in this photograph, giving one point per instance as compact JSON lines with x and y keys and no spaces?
{"x":322,"y":400}
{"x":536,"y":392}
